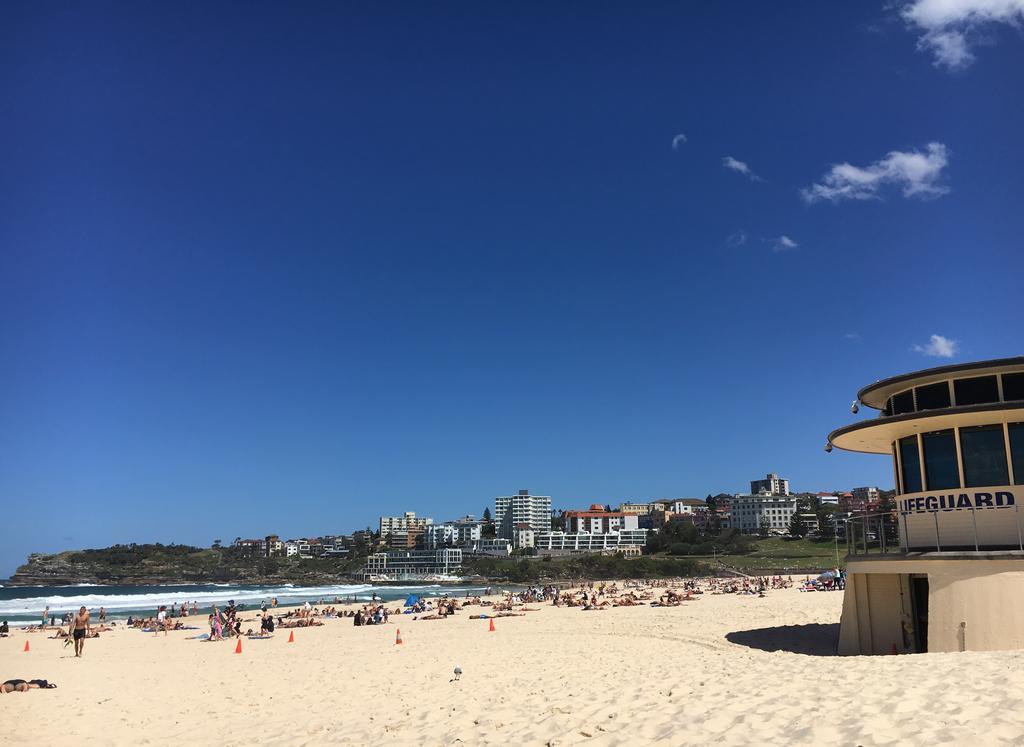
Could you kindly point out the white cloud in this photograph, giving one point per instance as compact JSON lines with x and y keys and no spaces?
{"x":916,"y":173}
{"x":739,"y":166}
{"x":783,"y":243}
{"x":938,"y":347}
{"x":948,"y":26}
{"x":678,"y":140}
{"x":735,"y":239}
{"x":851,"y":336}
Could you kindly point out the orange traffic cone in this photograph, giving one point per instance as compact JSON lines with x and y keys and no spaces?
{"x":26,"y":646}
{"x":491,"y":629}
{"x":291,"y":637}
{"x":238,"y":648}
{"x":398,"y":637}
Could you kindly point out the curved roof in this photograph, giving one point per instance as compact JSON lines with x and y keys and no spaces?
{"x":875,"y":395}
{"x":875,"y":436}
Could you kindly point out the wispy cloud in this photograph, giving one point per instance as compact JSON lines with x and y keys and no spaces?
{"x":938,"y":347}
{"x":917,"y":174}
{"x":949,"y":26}
{"x":740,"y":167}
{"x":783,"y":243}
{"x":736,"y":238}
{"x":678,"y":140}
{"x":852,"y":336}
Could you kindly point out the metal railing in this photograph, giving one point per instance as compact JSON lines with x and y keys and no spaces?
{"x":867,"y":534}
{"x":888,"y":533}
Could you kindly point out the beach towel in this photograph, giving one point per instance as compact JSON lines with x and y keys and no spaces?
{"x":202,"y":637}
{"x":258,"y":637}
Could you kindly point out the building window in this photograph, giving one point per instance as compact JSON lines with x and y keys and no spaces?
{"x":933,"y":396}
{"x":1017,"y":451}
{"x":903,"y":402}
{"x":979,"y":390}
{"x":1013,"y":387}
{"x":911,"y":462}
{"x":984,"y":454}
{"x":940,"y":467}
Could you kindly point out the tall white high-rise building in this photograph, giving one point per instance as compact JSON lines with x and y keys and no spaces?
{"x":512,"y":511}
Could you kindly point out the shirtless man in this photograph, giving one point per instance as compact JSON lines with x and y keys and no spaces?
{"x":79,"y":628}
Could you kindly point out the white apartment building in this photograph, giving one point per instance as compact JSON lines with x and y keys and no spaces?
{"x":459,"y":533}
{"x":587,"y":542}
{"x":512,"y":510}
{"x":772,"y":485}
{"x":402,"y":524}
{"x":748,"y":511}
{"x":492,"y":546}
{"x":598,"y":521}
{"x":523,"y":537}
{"x":411,"y":564}
{"x":687,"y":505}
{"x":867,"y":496}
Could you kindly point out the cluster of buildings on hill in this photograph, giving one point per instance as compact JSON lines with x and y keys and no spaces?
{"x":408,"y":545}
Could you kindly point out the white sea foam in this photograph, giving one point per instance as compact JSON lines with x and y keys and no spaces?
{"x":211,"y":594}
{"x":152,"y":600}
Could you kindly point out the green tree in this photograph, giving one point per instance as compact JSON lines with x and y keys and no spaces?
{"x":765,"y":527}
{"x":797,"y":527}
{"x":487,"y":514}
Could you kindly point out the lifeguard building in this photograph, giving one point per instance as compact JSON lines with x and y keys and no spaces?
{"x":943,"y":568}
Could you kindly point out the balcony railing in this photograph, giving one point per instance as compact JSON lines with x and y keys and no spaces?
{"x":887,"y":534}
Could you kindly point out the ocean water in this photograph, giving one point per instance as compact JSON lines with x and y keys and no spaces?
{"x":23,"y":605}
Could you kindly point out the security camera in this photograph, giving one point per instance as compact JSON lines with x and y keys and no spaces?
{"x":855,"y":407}
{"x":828,"y":448}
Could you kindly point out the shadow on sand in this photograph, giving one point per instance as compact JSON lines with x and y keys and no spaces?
{"x":811,"y":640}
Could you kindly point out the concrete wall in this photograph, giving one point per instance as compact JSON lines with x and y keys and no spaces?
{"x":986,"y":594}
{"x":875,"y":607}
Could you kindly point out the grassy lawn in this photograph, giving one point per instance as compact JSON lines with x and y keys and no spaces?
{"x":775,"y":553}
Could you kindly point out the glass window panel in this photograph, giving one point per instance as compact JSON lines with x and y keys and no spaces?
{"x":1013,"y":387}
{"x":1017,"y":451}
{"x":903,"y":402}
{"x":976,"y":391}
{"x":984,"y":453}
{"x":933,"y":396}
{"x":911,"y":462}
{"x":940,"y":467}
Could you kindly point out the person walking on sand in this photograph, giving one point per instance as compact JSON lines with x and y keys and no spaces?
{"x":79,"y":628}
{"x":161,"y":619}
{"x":46,"y":615}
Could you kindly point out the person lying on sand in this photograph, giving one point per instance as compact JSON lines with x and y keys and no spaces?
{"x":23,"y":686}
{"x":300,"y":623}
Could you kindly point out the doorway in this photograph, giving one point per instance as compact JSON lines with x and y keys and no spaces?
{"x":919,"y":598}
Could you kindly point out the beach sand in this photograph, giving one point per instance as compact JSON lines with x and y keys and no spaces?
{"x":701,"y":673}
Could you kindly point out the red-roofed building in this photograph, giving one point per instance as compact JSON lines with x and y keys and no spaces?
{"x":599,"y":521}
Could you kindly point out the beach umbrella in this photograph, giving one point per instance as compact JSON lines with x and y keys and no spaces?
{"x":827,"y":575}
{"x":411,"y":600}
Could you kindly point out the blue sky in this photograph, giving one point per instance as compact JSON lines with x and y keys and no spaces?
{"x":282,"y":269}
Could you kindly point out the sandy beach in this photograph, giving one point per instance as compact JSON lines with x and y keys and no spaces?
{"x":724,"y":669}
